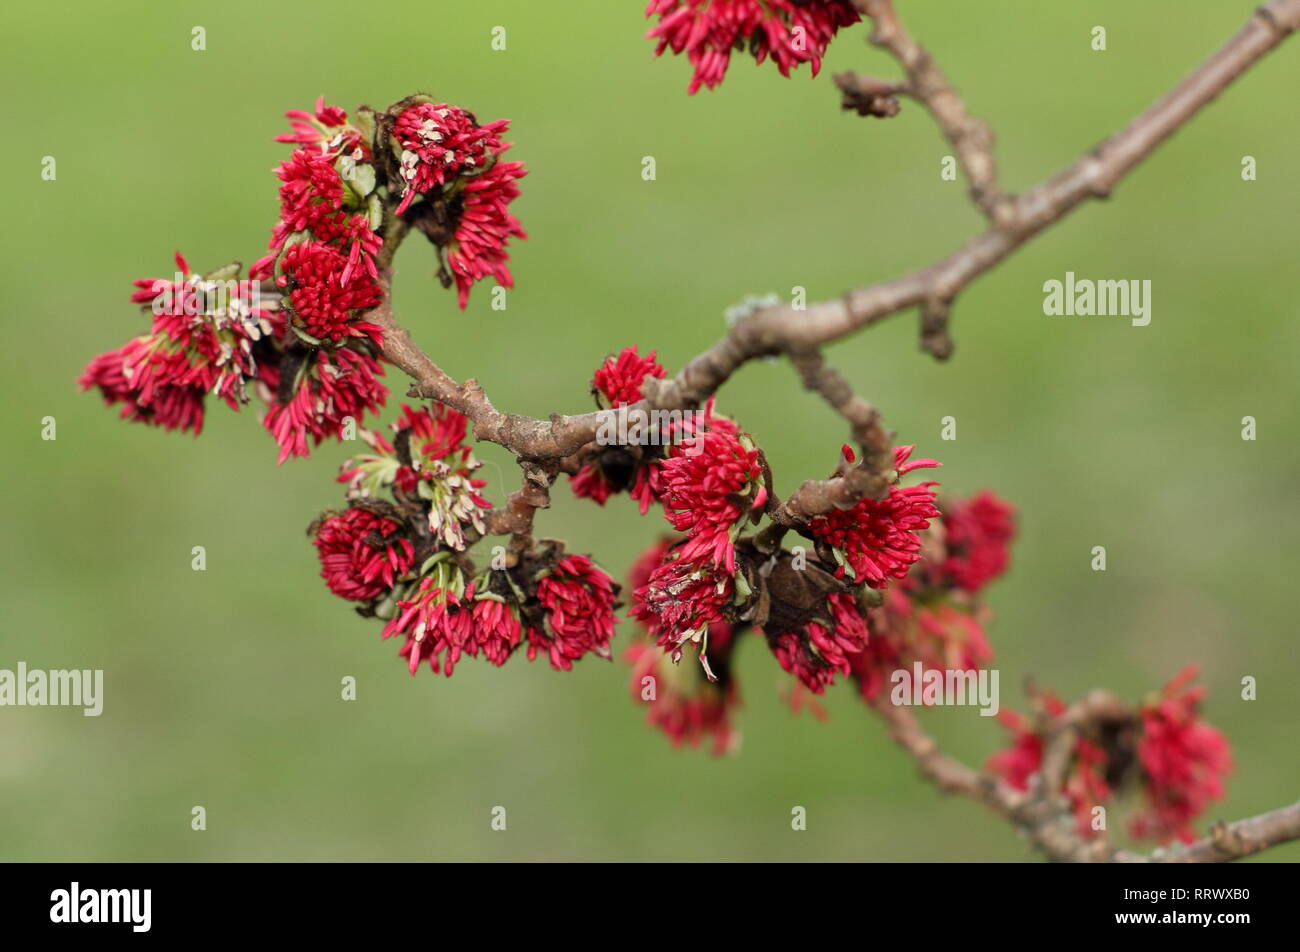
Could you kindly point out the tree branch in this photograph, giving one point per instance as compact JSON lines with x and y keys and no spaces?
{"x":1229,"y":841}
{"x":970,"y":138}
{"x":869,"y":96}
{"x":541,"y":446}
{"x":871,"y":476}
{"x":785,"y":330}
{"x":1093,"y":175}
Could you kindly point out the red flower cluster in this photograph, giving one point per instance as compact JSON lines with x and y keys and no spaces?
{"x":436,"y":466}
{"x":311,"y":198}
{"x":693,"y":585}
{"x":443,"y":617}
{"x":478,"y":248}
{"x":497,"y":628}
{"x":932,"y":615}
{"x":328,"y":193}
{"x":690,"y":704}
{"x":819,"y":652}
{"x":330,"y":387}
{"x":977,"y":535}
{"x":687,"y":708}
{"x":620,"y":378}
{"x":618,"y":382}
{"x":578,"y":597}
{"x":440,"y":141}
{"x":443,"y":610}
{"x":323,"y":250}
{"x":324,"y":305}
{"x":323,"y":261}
{"x":438,"y":621}
{"x":205,"y":331}
{"x":312,"y":356}
{"x":789,"y":31}
{"x":438,"y":431}
{"x":443,"y":151}
{"x":681,"y":600}
{"x":933,"y":628}
{"x":697,"y":592}
{"x":1084,"y":785}
{"x":711,"y":482}
{"x":1184,"y":761}
{"x":1018,"y":763}
{"x":592,"y":482}
{"x":878,"y":538}
{"x":310,"y":128}
{"x":362,"y":554}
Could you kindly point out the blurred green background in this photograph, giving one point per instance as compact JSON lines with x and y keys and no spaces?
{"x":222,"y":687}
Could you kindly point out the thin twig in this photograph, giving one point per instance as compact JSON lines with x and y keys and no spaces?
{"x":970,"y":138}
{"x":870,"y":476}
{"x":515,"y":518}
